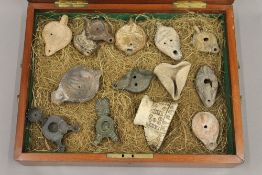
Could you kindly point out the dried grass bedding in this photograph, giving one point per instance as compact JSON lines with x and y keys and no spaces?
{"x":48,"y":71}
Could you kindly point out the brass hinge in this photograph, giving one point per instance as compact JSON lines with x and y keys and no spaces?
{"x":190,"y":4}
{"x":71,"y":3}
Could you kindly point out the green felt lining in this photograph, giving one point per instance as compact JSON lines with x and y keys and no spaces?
{"x":126,"y":16}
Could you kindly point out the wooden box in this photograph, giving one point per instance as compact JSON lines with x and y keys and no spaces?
{"x":235,"y":157}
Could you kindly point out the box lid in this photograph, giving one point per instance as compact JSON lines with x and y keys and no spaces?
{"x":224,"y":2}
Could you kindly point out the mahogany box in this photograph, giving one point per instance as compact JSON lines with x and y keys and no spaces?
{"x":233,"y":157}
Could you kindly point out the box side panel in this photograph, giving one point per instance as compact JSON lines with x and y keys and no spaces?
{"x":235,"y":90}
{"x":24,"y":84}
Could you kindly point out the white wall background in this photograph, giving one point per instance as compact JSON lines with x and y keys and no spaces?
{"x":248,"y":18}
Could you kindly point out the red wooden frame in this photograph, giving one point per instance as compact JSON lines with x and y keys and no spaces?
{"x":158,"y":159}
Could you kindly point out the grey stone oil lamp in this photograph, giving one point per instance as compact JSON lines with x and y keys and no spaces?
{"x":53,"y":127}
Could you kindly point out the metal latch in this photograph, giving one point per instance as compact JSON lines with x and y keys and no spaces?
{"x":136,"y":156}
{"x":190,"y":4}
{"x":71,"y":3}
